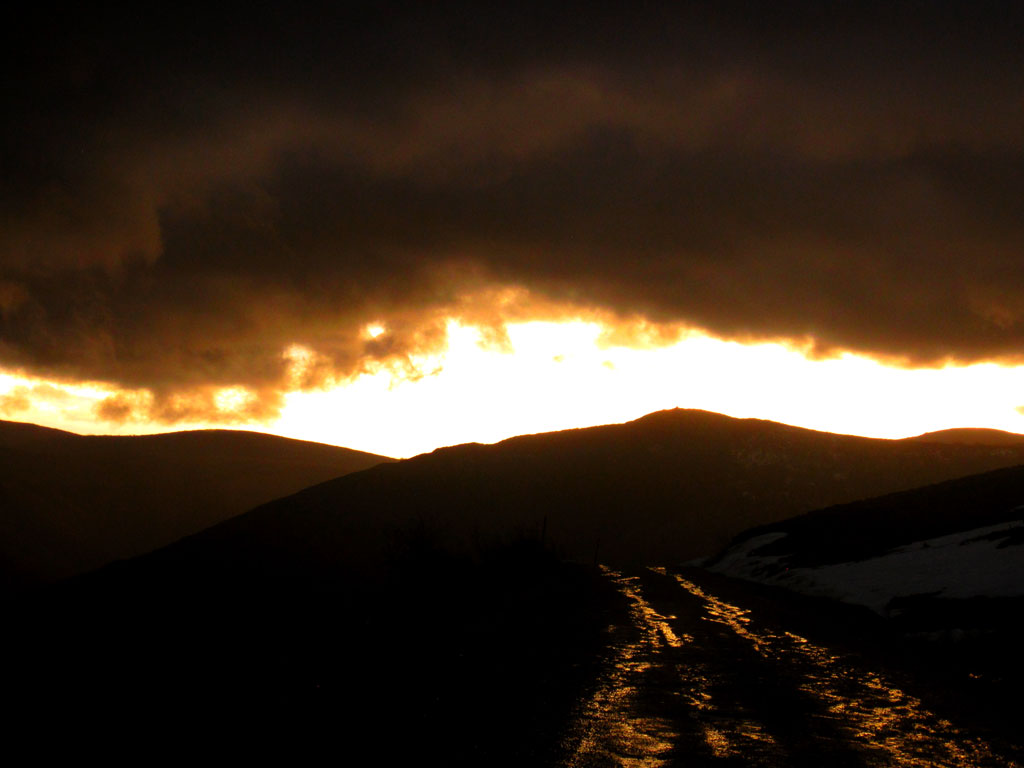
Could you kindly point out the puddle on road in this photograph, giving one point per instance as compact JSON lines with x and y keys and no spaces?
{"x":726,"y":731}
{"x":657,"y":680}
{"x":891,"y":726}
{"x":608,"y":728}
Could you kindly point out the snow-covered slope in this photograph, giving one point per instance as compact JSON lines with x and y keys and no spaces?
{"x":942,"y":558}
{"x":981,"y":562}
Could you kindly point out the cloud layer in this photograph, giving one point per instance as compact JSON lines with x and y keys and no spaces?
{"x":185,"y":199}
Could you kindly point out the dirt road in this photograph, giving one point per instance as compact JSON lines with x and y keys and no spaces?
{"x":692,"y":680}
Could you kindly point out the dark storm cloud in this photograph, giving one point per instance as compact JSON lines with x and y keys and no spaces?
{"x":184,"y":198}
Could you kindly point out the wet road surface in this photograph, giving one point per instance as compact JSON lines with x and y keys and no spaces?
{"x":692,"y":680}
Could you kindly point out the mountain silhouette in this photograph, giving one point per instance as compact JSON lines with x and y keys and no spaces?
{"x":971,"y":436}
{"x":72,"y":503}
{"x":665,"y":488}
{"x":432,"y":593}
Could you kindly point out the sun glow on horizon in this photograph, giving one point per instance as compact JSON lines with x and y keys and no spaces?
{"x":551,"y":376}
{"x":555,"y":376}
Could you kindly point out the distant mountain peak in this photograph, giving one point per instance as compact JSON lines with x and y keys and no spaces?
{"x":971,"y":436}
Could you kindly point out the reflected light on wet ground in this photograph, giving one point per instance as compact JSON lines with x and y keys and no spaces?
{"x":893,"y":727}
{"x":648,"y":660}
{"x":709,"y":686}
{"x":609,"y":728}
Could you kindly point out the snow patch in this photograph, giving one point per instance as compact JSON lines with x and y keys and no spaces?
{"x":974,"y":563}
{"x":740,"y":557}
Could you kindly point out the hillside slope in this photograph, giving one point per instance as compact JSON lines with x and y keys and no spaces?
{"x":943,"y":557}
{"x":70,"y":503}
{"x":664,"y":488}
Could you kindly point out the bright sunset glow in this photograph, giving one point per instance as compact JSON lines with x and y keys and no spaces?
{"x":562,"y":375}
{"x":232,"y":399}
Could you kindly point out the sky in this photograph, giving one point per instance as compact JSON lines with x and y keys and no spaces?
{"x":397,"y":226}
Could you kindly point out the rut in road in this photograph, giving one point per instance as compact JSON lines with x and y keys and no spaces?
{"x":691,"y":681}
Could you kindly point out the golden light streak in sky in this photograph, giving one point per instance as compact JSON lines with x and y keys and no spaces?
{"x":562,"y":375}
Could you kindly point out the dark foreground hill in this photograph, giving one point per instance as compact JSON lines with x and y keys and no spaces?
{"x":70,"y":503}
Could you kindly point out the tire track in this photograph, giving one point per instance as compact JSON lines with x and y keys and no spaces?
{"x":690,"y":680}
{"x":888,"y":725}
